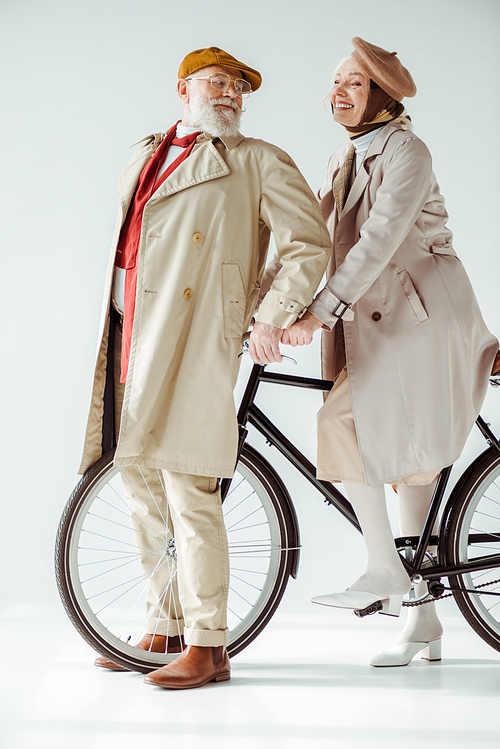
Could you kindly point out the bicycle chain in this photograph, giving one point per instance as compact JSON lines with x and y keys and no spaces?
{"x":431,"y":599}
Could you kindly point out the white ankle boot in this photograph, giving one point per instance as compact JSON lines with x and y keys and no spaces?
{"x":401,"y":655}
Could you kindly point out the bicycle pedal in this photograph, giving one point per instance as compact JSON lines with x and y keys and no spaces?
{"x":373,"y":608}
{"x":436,"y":588}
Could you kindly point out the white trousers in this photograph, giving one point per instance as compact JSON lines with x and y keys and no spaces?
{"x":188,"y":588}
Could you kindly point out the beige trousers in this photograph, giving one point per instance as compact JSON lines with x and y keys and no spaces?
{"x":181,"y":515}
{"x":339,"y":458}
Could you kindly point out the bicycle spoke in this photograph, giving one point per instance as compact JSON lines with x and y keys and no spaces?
{"x":125,"y":514}
{"x":125,"y":478}
{"x":245,"y":499}
{"x":108,"y":538}
{"x":169,"y":589}
{"x":486,"y":515}
{"x":250,"y":542}
{"x":232,"y":488}
{"x":239,"y":594}
{"x":250,"y":572}
{"x":137,"y":595}
{"x":492,"y":500}
{"x":246,"y":527}
{"x":135,"y":608}
{"x":231,"y":527}
{"x":120,"y":525}
{"x":115,"y":587}
{"x":235,"y":577}
{"x":159,"y":607}
{"x":106,"y":572}
{"x":153,"y":496}
{"x":93,"y":549}
{"x":490,"y":609}
{"x":479,"y":575}
{"x":235,"y":614}
{"x":124,"y":502}
{"x":236,"y":556}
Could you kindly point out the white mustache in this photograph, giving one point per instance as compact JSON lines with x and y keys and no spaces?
{"x":227,"y":102}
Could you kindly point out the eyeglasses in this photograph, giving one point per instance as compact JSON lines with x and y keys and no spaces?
{"x":221,"y":82}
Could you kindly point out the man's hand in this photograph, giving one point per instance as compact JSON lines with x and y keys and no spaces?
{"x":301,"y":332}
{"x":264,"y":343}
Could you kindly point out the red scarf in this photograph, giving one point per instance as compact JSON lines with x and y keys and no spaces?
{"x":130,"y":236}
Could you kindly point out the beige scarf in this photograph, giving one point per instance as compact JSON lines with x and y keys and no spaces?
{"x":380,"y":108}
{"x":342,"y":181}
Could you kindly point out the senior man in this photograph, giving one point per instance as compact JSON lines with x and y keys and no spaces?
{"x":197,"y":205}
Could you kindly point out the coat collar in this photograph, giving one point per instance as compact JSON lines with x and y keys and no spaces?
{"x":203,"y":164}
{"x":375,"y":148}
{"x":377,"y":145}
{"x":230,"y":141}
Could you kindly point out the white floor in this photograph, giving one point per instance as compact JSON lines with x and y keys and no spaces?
{"x":303,"y":683}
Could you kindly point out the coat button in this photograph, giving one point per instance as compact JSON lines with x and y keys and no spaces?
{"x":197,"y":237}
{"x":376,"y":316}
{"x":187,"y":294}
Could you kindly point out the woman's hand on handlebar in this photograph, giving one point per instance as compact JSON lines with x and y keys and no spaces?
{"x":301,"y":332}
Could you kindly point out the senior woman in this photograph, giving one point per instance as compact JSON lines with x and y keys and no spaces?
{"x":403,"y":336}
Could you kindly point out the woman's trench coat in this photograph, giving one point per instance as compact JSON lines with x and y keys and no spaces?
{"x":417,"y":350}
{"x":203,"y":247}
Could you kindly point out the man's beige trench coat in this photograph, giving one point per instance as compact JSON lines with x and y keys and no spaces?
{"x":203,"y":248}
{"x":418,"y":352}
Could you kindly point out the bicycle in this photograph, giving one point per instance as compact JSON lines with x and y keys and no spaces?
{"x":103,"y":586}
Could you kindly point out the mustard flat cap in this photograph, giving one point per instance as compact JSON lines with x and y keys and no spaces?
{"x":384,"y":68}
{"x":201,"y":58}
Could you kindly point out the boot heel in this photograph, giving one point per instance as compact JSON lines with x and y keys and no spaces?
{"x":392,"y":606}
{"x":222,"y":677}
{"x":432,"y":652}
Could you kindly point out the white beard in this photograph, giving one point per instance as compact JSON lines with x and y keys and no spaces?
{"x":218,"y":123}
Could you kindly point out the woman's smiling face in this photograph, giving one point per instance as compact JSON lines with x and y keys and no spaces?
{"x":349,"y":94}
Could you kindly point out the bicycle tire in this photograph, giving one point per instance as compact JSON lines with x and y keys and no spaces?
{"x":472,"y":532}
{"x":262,"y":557}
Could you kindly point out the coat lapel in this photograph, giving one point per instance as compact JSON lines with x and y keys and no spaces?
{"x":129,"y":177}
{"x":359,"y":186}
{"x":204,"y":164}
{"x":362,"y":179}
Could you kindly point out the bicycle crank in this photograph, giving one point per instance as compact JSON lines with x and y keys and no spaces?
{"x":436,"y":593}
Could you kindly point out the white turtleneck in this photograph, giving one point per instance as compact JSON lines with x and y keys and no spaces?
{"x":362,"y":144}
{"x":175,"y":151}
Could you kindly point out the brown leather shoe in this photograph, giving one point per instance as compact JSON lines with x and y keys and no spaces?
{"x":194,"y":668}
{"x":153,"y":643}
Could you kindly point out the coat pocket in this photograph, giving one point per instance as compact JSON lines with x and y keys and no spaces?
{"x":412,"y":296}
{"x":233,"y":300}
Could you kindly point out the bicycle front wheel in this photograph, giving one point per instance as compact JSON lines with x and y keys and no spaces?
{"x":110,"y":556}
{"x":473,"y":533}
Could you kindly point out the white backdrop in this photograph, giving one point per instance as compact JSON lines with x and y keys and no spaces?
{"x":83,"y":81}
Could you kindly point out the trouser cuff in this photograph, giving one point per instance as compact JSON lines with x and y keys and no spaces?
{"x":206,"y":638}
{"x":167,"y":627}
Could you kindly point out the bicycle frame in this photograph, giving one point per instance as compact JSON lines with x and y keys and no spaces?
{"x":250,"y":413}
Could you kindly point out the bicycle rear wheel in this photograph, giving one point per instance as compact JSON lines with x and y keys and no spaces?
{"x":473,"y":532}
{"x":100,"y":567}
